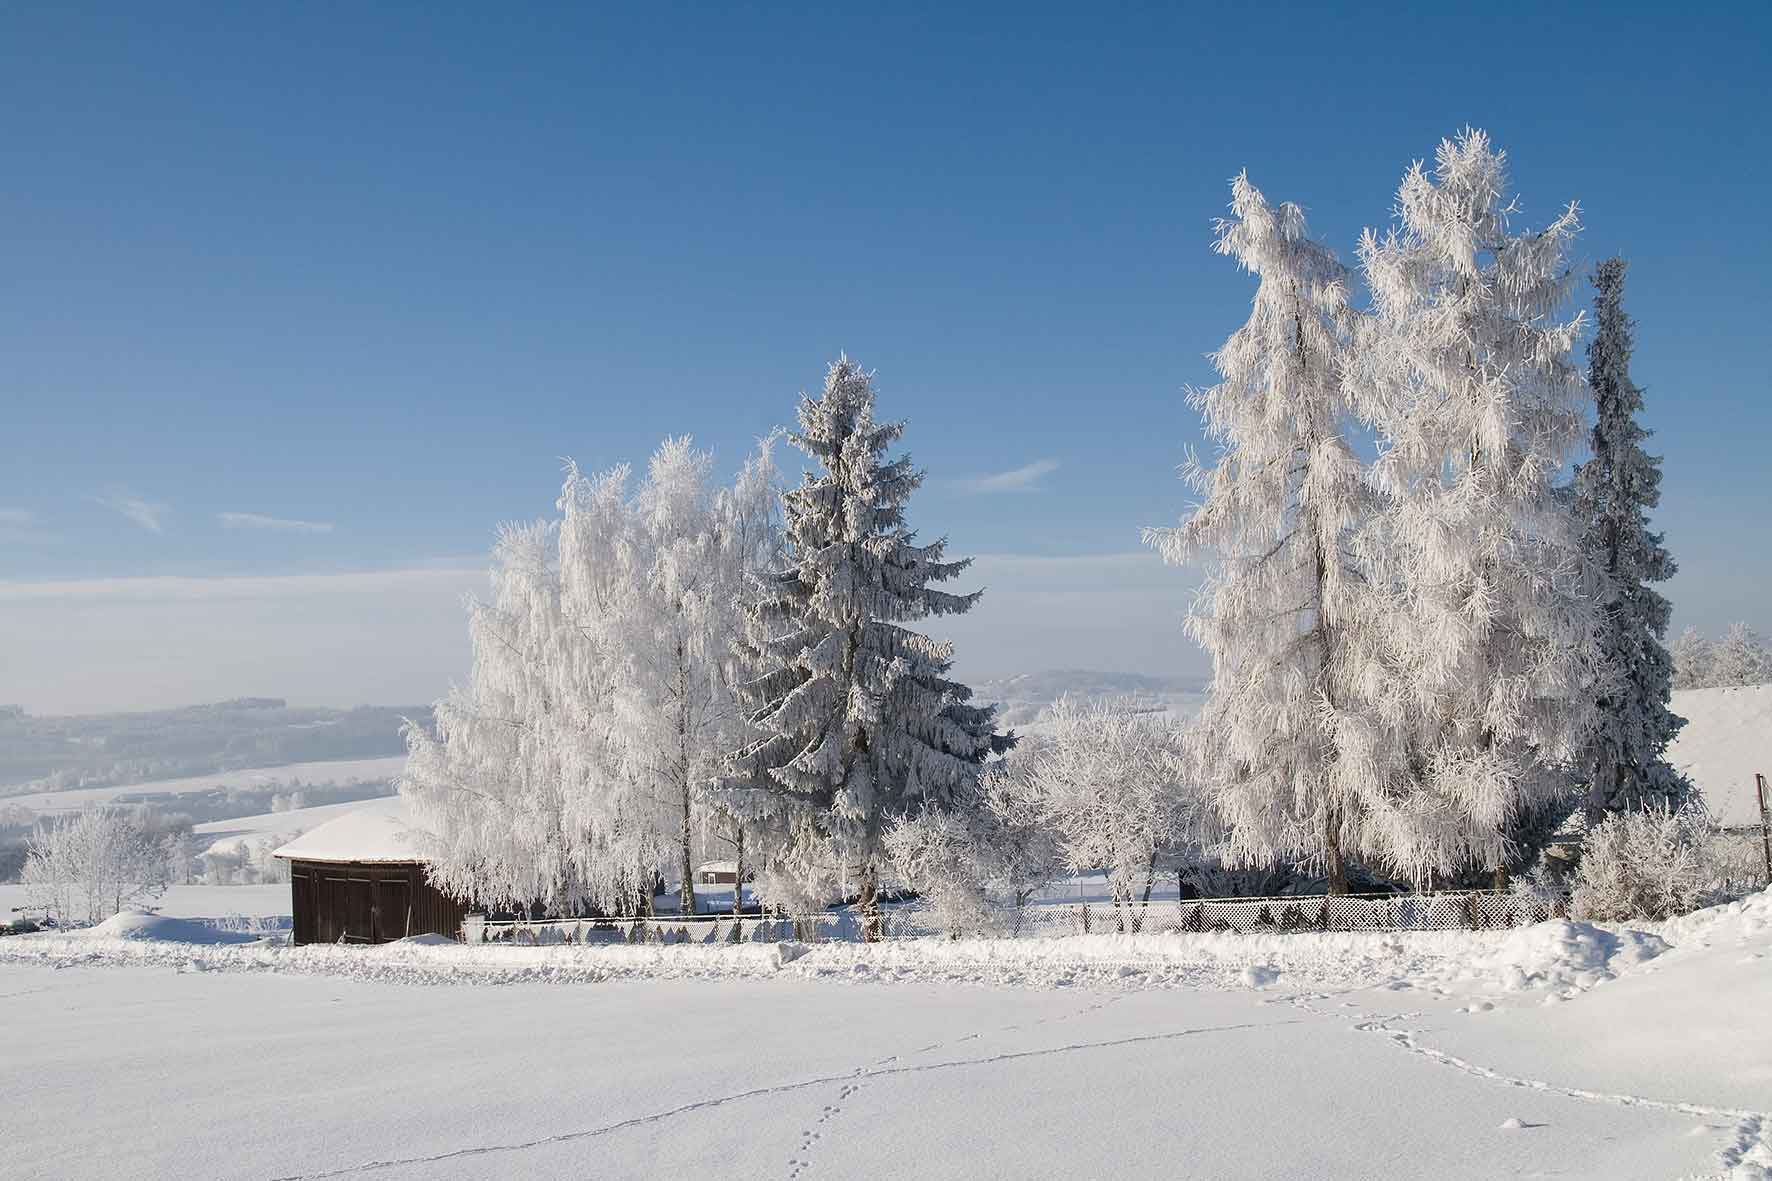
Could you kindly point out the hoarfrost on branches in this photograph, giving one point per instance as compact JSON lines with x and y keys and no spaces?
{"x":569,"y":771}
{"x":1648,"y":864}
{"x":1115,"y":788}
{"x":1614,"y":492}
{"x":87,"y":866}
{"x":982,"y":862}
{"x":858,"y":719}
{"x":1466,"y":374}
{"x":1286,"y":613}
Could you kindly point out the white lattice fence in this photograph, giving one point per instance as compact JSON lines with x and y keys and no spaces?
{"x":1390,"y":912}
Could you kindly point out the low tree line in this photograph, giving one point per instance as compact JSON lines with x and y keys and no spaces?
{"x":1740,"y":657}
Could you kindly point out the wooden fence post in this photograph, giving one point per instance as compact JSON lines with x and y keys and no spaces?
{"x":1765,"y":823}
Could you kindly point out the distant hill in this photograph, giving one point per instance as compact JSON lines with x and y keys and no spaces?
{"x":55,"y":753}
{"x":1026,"y":697}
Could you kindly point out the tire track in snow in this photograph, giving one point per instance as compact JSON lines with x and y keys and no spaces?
{"x":640,"y":1121}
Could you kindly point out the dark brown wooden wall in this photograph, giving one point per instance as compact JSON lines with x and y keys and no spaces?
{"x":368,"y":902}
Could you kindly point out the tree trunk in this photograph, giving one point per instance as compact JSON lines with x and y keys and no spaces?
{"x":870,"y":904}
{"x":1332,"y":856}
{"x":738,"y":875}
{"x":688,"y":904}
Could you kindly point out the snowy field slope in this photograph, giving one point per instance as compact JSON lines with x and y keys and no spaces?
{"x":229,"y":836}
{"x":270,"y":900}
{"x":1728,"y":737}
{"x":340,"y":771}
{"x":1560,"y":1050}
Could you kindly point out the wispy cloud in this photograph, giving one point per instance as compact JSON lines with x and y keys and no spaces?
{"x":143,"y":512}
{"x":1020,"y":479}
{"x":277,"y":524}
{"x":16,"y":518}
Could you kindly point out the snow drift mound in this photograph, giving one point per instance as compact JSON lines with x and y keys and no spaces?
{"x":138,"y":924}
{"x":1567,"y":957}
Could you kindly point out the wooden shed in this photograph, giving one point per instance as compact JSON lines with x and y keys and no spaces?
{"x":360,"y":879}
{"x":717,"y":873}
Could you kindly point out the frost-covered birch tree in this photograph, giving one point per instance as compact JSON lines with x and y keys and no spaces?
{"x":1467,"y":375}
{"x":499,"y":781}
{"x":1615,"y":490}
{"x":857,"y":719}
{"x":572,"y":767}
{"x":1741,"y":657}
{"x":1694,"y":657}
{"x":86,"y":866}
{"x":1114,"y":786}
{"x":686,"y":561}
{"x":1285,"y":613}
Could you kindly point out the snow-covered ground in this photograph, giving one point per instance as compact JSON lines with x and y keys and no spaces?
{"x":270,"y":900}
{"x":340,"y":771}
{"x":1562,"y":1049}
{"x":1727,"y":737}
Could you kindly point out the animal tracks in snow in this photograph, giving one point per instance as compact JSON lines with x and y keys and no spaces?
{"x":1748,"y":1155}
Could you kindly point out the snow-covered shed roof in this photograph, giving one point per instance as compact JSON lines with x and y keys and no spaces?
{"x":381,"y":830}
{"x":717,"y":867}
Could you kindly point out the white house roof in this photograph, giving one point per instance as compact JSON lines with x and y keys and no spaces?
{"x":380,"y":830}
{"x":1727,"y":737}
{"x":717,"y":867}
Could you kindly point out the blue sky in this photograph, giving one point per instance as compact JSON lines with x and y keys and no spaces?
{"x":374,"y":272}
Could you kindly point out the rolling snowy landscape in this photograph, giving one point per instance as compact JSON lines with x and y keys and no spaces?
{"x":950,"y":591}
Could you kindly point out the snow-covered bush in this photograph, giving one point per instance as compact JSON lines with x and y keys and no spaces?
{"x":980,"y":865}
{"x":86,"y":867}
{"x":1115,"y":789}
{"x":1545,"y":885}
{"x":1650,"y":864}
{"x":1738,"y":860}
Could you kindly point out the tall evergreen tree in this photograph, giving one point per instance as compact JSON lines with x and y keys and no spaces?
{"x":857,"y":718}
{"x":1285,"y":612}
{"x":1470,"y":385}
{"x":1614,"y":492}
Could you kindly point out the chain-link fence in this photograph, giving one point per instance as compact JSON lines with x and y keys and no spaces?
{"x":1472,"y":910}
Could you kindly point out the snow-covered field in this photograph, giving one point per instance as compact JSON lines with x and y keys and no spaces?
{"x":191,"y":902}
{"x":229,"y":836}
{"x":339,"y":771}
{"x":1561,"y":1050}
{"x":1727,"y":737}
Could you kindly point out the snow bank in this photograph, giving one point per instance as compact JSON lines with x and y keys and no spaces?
{"x":139,"y":924}
{"x":1567,"y":957}
{"x":1222,"y":961}
{"x":1555,"y":959}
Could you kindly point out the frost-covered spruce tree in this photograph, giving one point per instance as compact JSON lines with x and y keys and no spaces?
{"x":1467,"y":376}
{"x":1285,"y":613}
{"x":857,"y":718}
{"x":1614,"y":492}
